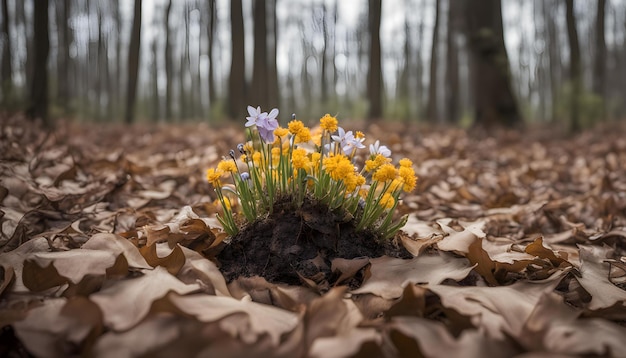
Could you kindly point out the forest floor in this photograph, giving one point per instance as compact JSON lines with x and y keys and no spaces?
{"x":518,"y":242}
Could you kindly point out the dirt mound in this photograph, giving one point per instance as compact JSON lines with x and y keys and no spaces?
{"x":295,"y":243}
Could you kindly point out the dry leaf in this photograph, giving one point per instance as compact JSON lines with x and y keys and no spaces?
{"x":432,"y":339}
{"x":117,"y":244}
{"x":498,"y":311}
{"x":389,"y":276}
{"x":125,"y":303}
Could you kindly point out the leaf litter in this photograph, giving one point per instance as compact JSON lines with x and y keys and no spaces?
{"x":109,"y":246}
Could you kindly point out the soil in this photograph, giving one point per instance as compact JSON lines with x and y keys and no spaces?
{"x":293,"y":245}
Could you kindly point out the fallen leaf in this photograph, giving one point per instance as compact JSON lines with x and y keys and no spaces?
{"x":174,"y":260}
{"x":499,"y":311}
{"x":411,"y":335}
{"x":7,"y":275}
{"x":48,"y":324}
{"x":389,"y":275}
{"x":117,"y":244}
{"x":125,"y":303}
{"x":556,"y":327}
{"x":262,"y":319}
{"x":594,"y":277}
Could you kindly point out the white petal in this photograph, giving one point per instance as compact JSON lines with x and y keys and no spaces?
{"x":273,"y":113}
{"x":252,"y":111}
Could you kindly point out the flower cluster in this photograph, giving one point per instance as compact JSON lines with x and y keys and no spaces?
{"x":298,"y":163}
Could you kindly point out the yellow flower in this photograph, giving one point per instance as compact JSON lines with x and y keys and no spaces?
{"x":353,"y":181}
{"x":303,"y":135}
{"x":256,"y":158}
{"x":387,"y":201}
{"x":275,"y":156}
{"x":316,"y":135}
{"x":406,"y":162}
{"x":385,"y":172}
{"x":248,"y":147}
{"x":227,"y":166}
{"x":408,"y":177}
{"x":338,"y":167}
{"x":315,"y":161}
{"x":376,"y":162}
{"x":280,"y":132}
{"x":213,"y":176}
{"x":227,"y":204}
{"x":299,"y":159}
{"x":243,"y":158}
{"x":328,"y":123}
{"x":359,"y":135}
{"x":397,"y":183}
{"x":295,"y":126}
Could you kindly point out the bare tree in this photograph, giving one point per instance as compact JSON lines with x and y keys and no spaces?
{"x":324,"y":59}
{"x":237,"y":79}
{"x":38,"y":107}
{"x":452,"y":93}
{"x":168,"y":63}
{"x":7,"y":71}
{"x":432,"y":114}
{"x":211,"y":39}
{"x":133,"y":63}
{"x":554,"y":56}
{"x":575,"y":70}
{"x":374,"y":73}
{"x":64,"y":35}
{"x":494,"y":102}
{"x":154,"y":71}
{"x":259,"y":95}
{"x":272,"y":68}
{"x":599,"y":65}
{"x":117,"y":95}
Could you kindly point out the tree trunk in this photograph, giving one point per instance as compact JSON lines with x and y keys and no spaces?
{"x":419,"y":70}
{"x":7,"y":72}
{"x":431,"y":110}
{"x":324,"y":65}
{"x":211,"y":33}
{"x":554,"y":58}
{"x":374,"y":74}
{"x":133,"y":63}
{"x":599,"y":69}
{"x":155,"y":82}
{"x":260,"y":95}
{"x":575,"y":71}
{"x":272,"y":69}
{"x":403,"y":88}
{"x":38,"y":107}
{"x":63,"y":55}
{"x":494,"y":103}
{"x":452,"y":97}
{"x":100,"y":56}
{"x":117,"y":96}
{"x":168,"y":63}
{"x":237,"y":79}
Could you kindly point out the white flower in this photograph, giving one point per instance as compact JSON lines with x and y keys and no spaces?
{"x":347,"y":141}
{"x":376,"y":148}
{"x":254,"y":115}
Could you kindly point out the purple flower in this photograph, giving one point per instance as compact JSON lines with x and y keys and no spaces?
{"x":265,"y":123}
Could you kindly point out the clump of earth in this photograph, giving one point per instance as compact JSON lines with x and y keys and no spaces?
{"x":292,"y":245}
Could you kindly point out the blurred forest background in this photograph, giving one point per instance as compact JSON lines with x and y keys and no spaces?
{"x":434,"y":61}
